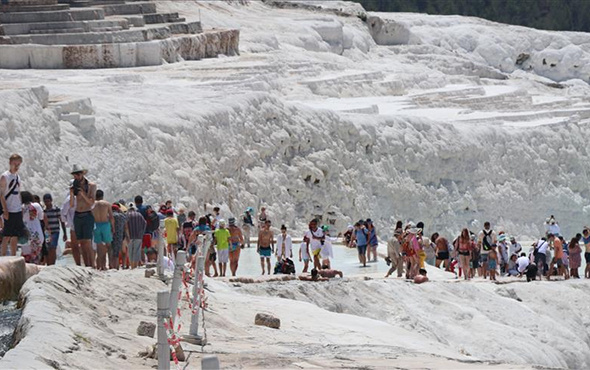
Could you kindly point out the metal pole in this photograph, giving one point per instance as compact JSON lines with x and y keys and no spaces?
{"x":160,"y":256}
{"x":163,"y":346}
{"x":176,"y":281}
{"x":203,"y":243}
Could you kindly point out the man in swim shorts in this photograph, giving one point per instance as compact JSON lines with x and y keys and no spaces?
{"x":265,"y":245}
{"x":103,"y":229}
{"x":82,"y":197}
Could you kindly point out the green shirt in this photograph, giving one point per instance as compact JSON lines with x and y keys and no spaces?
{"x":222,"y":238}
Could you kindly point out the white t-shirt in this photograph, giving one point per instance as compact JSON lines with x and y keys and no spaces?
{"x":34,"y":225}
{"x":314,"y":244}
{"x":515,"y":248}
{"x":68,"y":213}
{"x":554,"y":229}
{"x":13,"y":203}
{"x":543,"y":245}
{"x":522,"y":263}
{"x":288,"y":245}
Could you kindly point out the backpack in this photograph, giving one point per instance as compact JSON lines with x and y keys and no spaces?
{"x":10,"y":192}
{"x":487,"y":240}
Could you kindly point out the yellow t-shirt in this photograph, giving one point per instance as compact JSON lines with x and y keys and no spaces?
{"x":171,"y":226}
{"x":222,"y":238}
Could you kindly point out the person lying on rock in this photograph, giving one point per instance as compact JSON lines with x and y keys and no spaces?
{"x":315,"y":276}
{"x":329,"y":273}
{"x":421,"y":277}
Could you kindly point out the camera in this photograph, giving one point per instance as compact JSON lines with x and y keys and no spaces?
{"x":76,"y":186}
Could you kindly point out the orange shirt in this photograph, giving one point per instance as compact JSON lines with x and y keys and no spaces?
{"x":558,"y":248}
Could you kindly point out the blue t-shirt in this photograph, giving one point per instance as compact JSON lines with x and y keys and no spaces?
{"x":143,"y":210}
{"x":202,"y":228}
{"x":361,"y":237}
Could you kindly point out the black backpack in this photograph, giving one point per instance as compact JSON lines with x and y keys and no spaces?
{"x":487,"y":240}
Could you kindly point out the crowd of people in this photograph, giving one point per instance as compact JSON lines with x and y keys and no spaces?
{"x":113,"y":235}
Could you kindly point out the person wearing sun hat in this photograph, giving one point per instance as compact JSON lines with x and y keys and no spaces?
{"x":394,"y":256}
{"x":82,"y":197}
{"x":503,"y":252}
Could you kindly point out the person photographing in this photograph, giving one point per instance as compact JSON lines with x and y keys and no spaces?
{"x":84,"y":193}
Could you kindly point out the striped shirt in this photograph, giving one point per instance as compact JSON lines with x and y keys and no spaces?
{"x":53,"y":220}
{"x":136,"y":224}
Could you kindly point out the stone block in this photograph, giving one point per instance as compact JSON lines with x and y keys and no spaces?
{"x":73,"y":118}
{"x":210,"y":363}
{"x":146,"y":329}
{"x":149,"y":273}
{"x":270,"y":321}
{"x":130,"y":8}
{"x":55,"y":16}
{"x":81,"y":106}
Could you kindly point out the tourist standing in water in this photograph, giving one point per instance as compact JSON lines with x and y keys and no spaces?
{"x":235,"y":246}
{"x":247,"y":225}
{"x":372,"y":241}
{"x":104,"y":228}
{"x":394,"y":257}
{"x":314,"y":237}
{"x":360,"y":237}
{"x":53,"y":224}
{"x":265,"y":246}
{"x":135,"y":229}
{"x":84,"y":193}
{"x":120,"y":219}
{"x":221,"y":236}
{"x":284,"y":245}
{"x":12,"y":211}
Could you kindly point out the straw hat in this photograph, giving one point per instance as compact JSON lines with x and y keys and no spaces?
{"x":78,"y":169}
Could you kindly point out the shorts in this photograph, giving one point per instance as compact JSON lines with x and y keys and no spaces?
{"x":234,"y":246}
{"x":135,"y":250}
{"x":442,"y":255}
{"x":491,"y":265}
{"x":316,"y":252}
{"x":362,"y":249}
{"x":103,"y":233}
{"x":265,"y":252}
{"x":558,"y":261}
{"x":53,"y":241}
{"x":223,"y":255}
{"x":212,"y":256}
{"x":475,"y":263}
{"x":483,"y":258}
{"x":464,"y":253}
{"x":14,"y":226}
{"x":587,"y":257}
{"x":84,"y":225}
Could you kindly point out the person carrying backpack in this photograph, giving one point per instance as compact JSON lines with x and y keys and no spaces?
{"x":485,"y":241}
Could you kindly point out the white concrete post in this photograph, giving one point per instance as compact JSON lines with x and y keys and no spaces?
{"x":160,"y":256}
{"x":202,"y":245}
{"x":163,"y":313}
{"x":176,"y":281}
